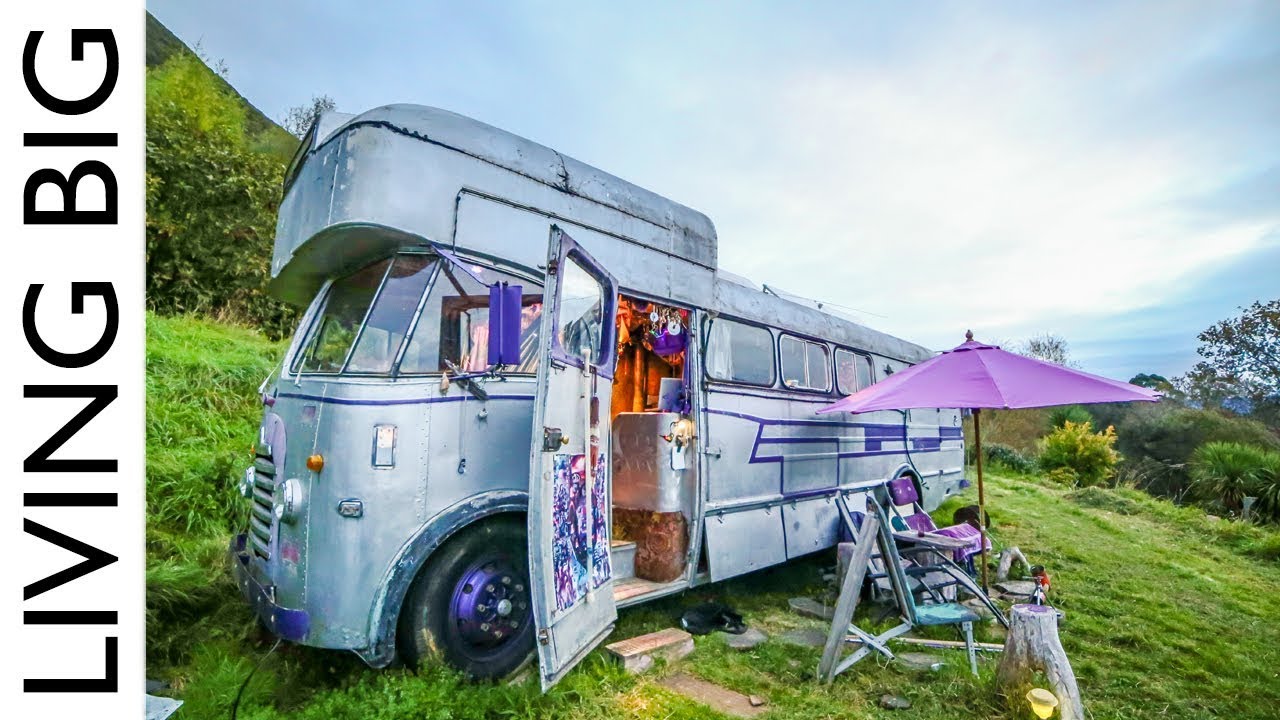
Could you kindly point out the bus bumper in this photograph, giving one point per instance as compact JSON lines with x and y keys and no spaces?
{"x":284,"y":622}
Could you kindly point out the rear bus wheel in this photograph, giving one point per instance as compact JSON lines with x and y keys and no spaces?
{"x":471,"y":603}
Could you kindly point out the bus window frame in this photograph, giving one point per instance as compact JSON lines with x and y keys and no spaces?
{"x":830,"y":358}
{"x":710,"y":320}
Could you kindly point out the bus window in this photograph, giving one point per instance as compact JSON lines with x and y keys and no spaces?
{"x":739,"y":352}
{"x":804,"y":364}
{"x":388,"y":320}
{"x":334,"y":331}
{"x":853,"y":371}
{"x":454,"y":325}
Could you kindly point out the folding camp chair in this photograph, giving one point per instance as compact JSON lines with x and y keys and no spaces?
{"x":913,"y":614}
{"x":904,"y":494}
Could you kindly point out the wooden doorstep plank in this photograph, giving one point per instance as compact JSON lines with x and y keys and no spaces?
{"x":637,"y":654}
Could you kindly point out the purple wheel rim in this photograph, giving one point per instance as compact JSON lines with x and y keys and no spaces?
{"x":490,"y":606}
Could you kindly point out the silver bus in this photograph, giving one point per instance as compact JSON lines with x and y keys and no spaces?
{"x":523,"y":395}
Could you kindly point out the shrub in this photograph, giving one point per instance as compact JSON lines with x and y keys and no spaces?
{"x":1008,"y":458}
{"x":1224,"y":473}
{"x":211,"y":201}
{"x":1090,"y":456}
{"x":1018,"y":429}
{"x":1061,"y":415}
{"x":1159,"y":439}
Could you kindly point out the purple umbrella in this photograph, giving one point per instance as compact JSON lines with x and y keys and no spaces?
{"x":974,"y":375}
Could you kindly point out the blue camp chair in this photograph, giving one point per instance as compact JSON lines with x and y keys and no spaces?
{"x":933,"y":609}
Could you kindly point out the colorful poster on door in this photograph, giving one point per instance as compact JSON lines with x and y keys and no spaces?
{"x":577,"y":545}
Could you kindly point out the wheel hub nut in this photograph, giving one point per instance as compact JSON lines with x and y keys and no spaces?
{"x":504,"y":607}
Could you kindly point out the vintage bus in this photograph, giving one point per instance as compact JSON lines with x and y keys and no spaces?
{"x":523,"y":395}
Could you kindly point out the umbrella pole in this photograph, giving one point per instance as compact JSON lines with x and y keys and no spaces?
{"x":982,"y":496}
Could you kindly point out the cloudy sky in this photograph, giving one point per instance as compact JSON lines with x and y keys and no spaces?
{"x":1109,"y":172}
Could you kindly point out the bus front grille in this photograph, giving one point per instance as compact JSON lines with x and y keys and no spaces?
{"x":261,"y":517}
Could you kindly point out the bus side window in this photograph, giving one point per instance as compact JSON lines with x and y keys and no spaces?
{"x":739,"y":352}
{"x":804,"y":364}
{"x":853,"y":371}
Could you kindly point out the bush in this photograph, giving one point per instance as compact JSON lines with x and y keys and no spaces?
{"x":1157,"y":440}
{"x":1061,"y":415}
{"x":1224,"y":473}
{"x":1008,"y":458}
{"x":211,"y":201}
{"x":1090,"y":456}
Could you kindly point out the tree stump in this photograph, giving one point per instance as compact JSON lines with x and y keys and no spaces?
{"x":1032,"y":645}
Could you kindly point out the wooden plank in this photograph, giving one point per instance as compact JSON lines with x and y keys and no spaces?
{"x":719,"y":698}
{"x":637,"y":654}
{"x":850,"y":589}
{"x":926,"y":642}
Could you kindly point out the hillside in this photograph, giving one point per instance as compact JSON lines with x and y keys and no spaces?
{"x":163,"y":44}
{"x":1169,"y":612}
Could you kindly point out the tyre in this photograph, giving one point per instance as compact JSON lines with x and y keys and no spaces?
{"x":471,"y":604}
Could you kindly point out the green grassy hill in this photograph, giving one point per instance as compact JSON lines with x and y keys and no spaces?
{"x":1169,"y":612}
{"x":163,"y":44}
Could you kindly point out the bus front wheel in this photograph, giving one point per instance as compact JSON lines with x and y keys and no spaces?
{"x":471,"y":605}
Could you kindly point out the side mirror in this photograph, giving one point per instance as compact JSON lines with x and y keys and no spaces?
{"x":504,"y":324}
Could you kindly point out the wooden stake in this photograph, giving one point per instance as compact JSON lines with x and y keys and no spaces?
{"x":1032,"y":645}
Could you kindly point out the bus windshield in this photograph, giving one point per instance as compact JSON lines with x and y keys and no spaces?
{"x":368,"y":315}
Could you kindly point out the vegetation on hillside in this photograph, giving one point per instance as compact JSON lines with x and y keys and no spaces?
{"x":212,"y":198}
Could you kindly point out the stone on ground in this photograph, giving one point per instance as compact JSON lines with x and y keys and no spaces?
{"x":1016,"y":588}
{"x":919,"y":660}
{"x":714,"y":696}
{"x":894,"y":702}
{"x":808,"y":637}
{"x":811,"y":608}
{"x":747,"y":640}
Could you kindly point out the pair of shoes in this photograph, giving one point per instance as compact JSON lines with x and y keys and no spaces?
{"x":709,"y":617}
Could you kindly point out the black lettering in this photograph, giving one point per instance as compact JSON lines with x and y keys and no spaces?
{"x":65,"y":139}
{"x":78,"y":292}
{"x":94,"y":559}
{"x":70,"y":499}
{"x":79,"y":38}
{"x":102,"y":396}
{"x":108,"y":683}
{"x":68,"y":215}
{"x":70,"y":617}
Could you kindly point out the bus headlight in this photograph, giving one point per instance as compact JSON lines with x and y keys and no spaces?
{"x":247,"y":482}
{"x":288,"y":500}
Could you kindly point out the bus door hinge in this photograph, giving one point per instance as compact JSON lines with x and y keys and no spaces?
{"x":712,"y":452}
{"x":543,"y":637}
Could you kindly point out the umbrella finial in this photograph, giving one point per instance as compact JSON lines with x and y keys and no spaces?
{"x":968,"y":335}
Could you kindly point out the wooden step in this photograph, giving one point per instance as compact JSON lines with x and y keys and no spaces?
{"x":622,"y":558}
{"x":638,"y":653}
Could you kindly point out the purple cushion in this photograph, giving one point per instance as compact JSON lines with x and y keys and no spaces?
{"x":903,"y":491}
{"x":920,"y":522}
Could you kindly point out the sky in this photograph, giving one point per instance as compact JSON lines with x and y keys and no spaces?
{"x":1106,"y":172}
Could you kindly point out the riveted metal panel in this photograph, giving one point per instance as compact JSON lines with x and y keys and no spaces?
{"x":739,"y":542}
{"x":810,"y":525}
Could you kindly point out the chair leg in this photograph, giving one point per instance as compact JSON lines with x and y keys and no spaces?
{"x":968,"y":645}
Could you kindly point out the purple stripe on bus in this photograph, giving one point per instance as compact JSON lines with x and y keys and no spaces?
{"x":400,"y":401}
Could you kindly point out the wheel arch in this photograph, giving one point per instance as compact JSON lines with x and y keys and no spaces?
{"x":414,"y":556}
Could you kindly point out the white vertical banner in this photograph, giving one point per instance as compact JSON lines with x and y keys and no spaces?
{"x":72,"y":297}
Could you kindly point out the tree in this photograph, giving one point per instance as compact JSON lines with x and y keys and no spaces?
{"x":1241,"y":362}
{"x":300,"y":117}
{"x":1048,"y":347}
{"x":211,"y":201}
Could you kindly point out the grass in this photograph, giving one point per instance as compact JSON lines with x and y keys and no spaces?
{"x":1170,"y":613}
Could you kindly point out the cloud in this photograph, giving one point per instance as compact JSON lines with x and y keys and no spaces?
{"x":1004,"y":167}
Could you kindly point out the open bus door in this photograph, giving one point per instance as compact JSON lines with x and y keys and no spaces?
{"x":569,"y":488}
